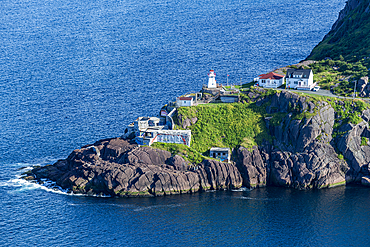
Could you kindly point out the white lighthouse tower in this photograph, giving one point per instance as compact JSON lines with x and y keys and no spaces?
{"x":212,"y":79}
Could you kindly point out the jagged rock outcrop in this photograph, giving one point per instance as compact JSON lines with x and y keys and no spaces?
{"x":118,"y":167}
{"x":304,"y":154}
{"x":252,"y":167}
{"x":357,"y":155}
{"x":317,"y":167}
{"x":350,"y":6}
{"x":363,"y":87}
{"x":294,"y":134}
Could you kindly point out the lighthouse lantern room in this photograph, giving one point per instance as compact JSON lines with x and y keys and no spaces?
{"x":212,"y":79}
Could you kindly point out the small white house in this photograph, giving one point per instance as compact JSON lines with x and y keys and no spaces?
{"x":301,"y":79}
{"x":166,"y":136}
{"x":212,"y":79}
{"x":223,"y":154}
{"x":270,"y":80}
{"x":184,"y":101}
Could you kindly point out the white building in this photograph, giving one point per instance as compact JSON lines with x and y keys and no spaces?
{"x":148,"y":130}
{"x":270,"y":80}
{"x":301,"y":79}
{"x":166,"y":136}
{"x":184,"y":101}
{"x":142,"y":124}
{"x":212,"y":79}
{"x":223,"y":154}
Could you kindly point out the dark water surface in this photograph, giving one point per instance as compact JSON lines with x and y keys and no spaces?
{"x":73,"y":72}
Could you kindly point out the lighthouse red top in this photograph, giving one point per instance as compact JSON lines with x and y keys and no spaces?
{"x":212,"y":72}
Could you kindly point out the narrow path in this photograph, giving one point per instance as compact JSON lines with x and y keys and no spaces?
{"x":321,"y":92}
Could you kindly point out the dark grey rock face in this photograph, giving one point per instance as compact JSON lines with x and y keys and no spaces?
{"x":216,"y":175}
{"x":363,"y":87}
{"x":120,"y":168}
{"x":303,"y":155}
{"x":358,"y":156}
{"x":252,"y":167}
{"x":317,"y":167}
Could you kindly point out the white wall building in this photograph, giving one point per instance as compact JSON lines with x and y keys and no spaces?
{"x":301,"y":79}
{"x":184,"y":101}
{"x":166,"y":136}
{"x":212,"y":79}
{"x":270,"y":80}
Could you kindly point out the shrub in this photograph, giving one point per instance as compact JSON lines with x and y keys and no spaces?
{"x":364,"y":141}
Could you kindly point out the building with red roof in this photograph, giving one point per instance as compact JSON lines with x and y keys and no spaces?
{"x":184,"y":101}
{"x":271,"y":80}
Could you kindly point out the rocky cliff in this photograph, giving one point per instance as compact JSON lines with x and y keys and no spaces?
{"x":118,"y":167}
{"x":302,"y":154}
{"x":313,"y":146}
{"x":349,"y":35}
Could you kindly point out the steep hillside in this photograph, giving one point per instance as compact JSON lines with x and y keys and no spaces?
{"x":349,"y":36}
{"x":277,"y":139}
{"x":286,"y":139}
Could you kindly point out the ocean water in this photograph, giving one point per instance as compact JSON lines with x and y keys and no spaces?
{"x":73,"y":72}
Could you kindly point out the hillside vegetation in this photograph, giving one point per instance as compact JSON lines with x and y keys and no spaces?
{"x":243,"y":124}
{"x":339,"y":76}
{"x":225,"y":125}
{"x":350,"y":35}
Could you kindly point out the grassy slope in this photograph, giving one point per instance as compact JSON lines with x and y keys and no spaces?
{"x":339,"y":75}
{"x":238,"y":124}
{"x":328,"y":77}
{"x":351,"y":38}
{"x":186,"y":152}
{"x":226,"y":125}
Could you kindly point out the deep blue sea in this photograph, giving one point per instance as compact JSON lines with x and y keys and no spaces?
{"x":73,"y":72}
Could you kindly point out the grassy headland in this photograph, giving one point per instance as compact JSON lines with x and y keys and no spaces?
{"x":243,"y":124}
{"x":225,"y":125}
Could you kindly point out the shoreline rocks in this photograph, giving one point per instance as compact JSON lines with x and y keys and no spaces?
{"x":118,"y":167}
{"x":304,"y":155}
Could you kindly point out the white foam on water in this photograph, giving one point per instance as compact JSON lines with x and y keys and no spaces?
{"x":46,"y":185}
{"x":258,"y":199}
{"x":242,"y":189}
{"x":158,"y":206}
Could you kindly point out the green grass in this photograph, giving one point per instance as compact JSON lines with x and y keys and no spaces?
{"x":235,"y":87}
{"x":189,"y":154}
{"x":349,"y":112}
{"x":237,"y":124}
{"x":364,"y":141}
{"x":248,"y":85}
{"x":226,"y":125}
{"x":331,"y":74}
